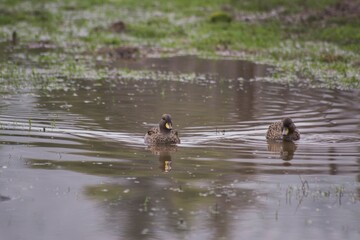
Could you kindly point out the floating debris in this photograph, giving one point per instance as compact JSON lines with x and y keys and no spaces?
{"x":4,"y":198}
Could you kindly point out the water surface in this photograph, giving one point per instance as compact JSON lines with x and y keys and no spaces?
{"x":73,"y":164}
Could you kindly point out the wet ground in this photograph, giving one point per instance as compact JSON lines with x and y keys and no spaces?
{"x":73,"y":164}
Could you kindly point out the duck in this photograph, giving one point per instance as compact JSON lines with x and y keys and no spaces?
{"x":164,"y":134}
{"x":283,"y":130}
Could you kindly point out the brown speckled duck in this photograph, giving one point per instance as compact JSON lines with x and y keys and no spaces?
{"x":162,"y":134}
{"x":283,"y":130}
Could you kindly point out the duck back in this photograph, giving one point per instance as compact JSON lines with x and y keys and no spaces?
{"x":155,"y":137}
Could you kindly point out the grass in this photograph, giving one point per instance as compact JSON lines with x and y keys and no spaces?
{"x":206,"y":37}
{"x":311,"y":48}
{"x":290,"y":6}
{"x":347,"y":36}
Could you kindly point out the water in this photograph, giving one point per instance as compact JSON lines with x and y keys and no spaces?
{"x":73,"y":164}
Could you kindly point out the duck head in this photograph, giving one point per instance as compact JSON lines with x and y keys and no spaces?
{"x":288,"y":127}
{"x":165,"y":123}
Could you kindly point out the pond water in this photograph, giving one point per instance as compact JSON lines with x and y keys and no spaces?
{"x":73,"y":164}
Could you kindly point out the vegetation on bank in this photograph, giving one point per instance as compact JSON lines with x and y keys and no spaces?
{"x":312,"y":41}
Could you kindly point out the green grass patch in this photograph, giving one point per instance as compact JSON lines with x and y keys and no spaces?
{"x":207,"y":37}
{"x":155,"y":28}
{"x":315,"y":46}
{"x":289,"y":5}
{"x":347,"y":36}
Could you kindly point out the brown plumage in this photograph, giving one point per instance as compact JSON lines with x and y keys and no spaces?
{"x":283,"y":130}
{"x":162,"y":134}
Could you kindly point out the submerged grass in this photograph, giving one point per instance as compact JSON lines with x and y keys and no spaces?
{"x":316,"y":40}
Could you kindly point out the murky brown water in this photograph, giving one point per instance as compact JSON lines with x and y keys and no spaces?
{"x":89,"y":175}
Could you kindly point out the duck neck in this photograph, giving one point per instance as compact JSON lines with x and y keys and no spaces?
{"x":164,"y":130}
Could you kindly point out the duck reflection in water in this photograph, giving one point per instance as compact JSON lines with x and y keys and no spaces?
{"x":164,"y":153}
{"x":285,"y":149}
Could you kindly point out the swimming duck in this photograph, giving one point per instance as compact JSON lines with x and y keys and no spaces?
{"x":162,"y":134}
{"x":283,"y":130}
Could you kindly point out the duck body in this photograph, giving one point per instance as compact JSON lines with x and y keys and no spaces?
{"x":162,"y":135}
{"x":283,"y":130}
{"x":155,"y":137}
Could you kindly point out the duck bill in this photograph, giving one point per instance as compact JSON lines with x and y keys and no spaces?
{"x":285,"y":131}
{"x":168,"y":126}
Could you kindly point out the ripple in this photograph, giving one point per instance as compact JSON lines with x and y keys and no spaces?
{"x":217,"y":118}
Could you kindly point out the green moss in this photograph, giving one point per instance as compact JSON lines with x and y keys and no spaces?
{"x":216,"y":17}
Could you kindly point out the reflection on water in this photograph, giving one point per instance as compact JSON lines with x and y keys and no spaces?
{"x":164,"y":154}
{"x":223,"y":181}
{"x":165,"y":161}
{"x":285,"y":149}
